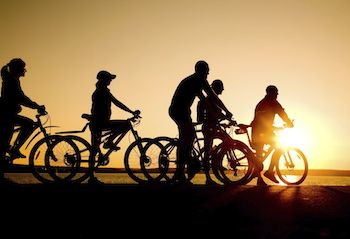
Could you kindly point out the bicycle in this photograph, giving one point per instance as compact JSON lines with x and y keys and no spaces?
{"x":292,"y":167}
{"x":52,"y":146}
{"x":86,"y":163}
{"x":223,"y":150}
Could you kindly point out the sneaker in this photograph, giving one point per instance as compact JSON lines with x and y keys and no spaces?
{"x":16,"y":154}
{"x":110,"y":145}
{"x":271,"y":176}
{"x":211,"y":182}
{"x":180,"y":180}
{"x":94,"y":181}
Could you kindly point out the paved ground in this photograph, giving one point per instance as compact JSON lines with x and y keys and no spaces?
{"x":164,"y":211}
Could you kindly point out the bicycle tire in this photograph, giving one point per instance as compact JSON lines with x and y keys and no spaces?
{"x":292,"y":167}
{"x":151,"y":167}
{"x":37,"y":160}
{"x":87,"y":164}
{"x":77,"y":159}
{"x":132,"y":161}
{"x":168,"y":158}
{"x":232,"y":163}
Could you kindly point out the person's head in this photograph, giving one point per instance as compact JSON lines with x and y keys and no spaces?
{"x":201,"y":68}
{"x":272,"y":91}
{"x":217,"y":86}
{"x":105,"y":78}
{"x":17,"y":67}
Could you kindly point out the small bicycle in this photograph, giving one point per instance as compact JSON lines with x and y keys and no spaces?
{"x":81,"y":164}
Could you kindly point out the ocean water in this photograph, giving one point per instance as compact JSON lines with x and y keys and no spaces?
{"x":123,"y":178}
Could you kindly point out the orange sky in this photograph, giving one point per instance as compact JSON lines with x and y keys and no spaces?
{"x":300,"y":46}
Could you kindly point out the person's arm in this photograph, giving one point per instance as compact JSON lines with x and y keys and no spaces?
{"x":281,"y":113}
{"x":26,"y":101}
{"x":216,"y":99}
{"x":121,"y":105}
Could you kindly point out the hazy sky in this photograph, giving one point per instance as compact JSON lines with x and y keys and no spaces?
{"x":303,"y":47}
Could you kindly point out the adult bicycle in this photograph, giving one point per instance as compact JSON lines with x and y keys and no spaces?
{"x":292,"y":166}
{"x":84,"y":163}
{"x":42,"y":144}
{"x":224,"y":147}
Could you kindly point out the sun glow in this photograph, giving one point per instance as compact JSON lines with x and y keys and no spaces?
{"x":293,"y":137}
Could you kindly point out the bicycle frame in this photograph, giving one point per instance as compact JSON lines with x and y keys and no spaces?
{"x":38,"y":125}
{"x":107,"y":133}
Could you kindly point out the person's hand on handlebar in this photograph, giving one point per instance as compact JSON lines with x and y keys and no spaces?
{"x":41,"y":110}
{"x":228,"y":115}
{"x":289,"y":124}
{"x":136,"y":113}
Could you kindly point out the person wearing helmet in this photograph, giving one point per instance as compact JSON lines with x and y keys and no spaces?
{"x":102,"y":100}
{"x":189,"y":88}
{"x":11,"y":100}
{"x":210,"y":115}
{"x":262,"y":128}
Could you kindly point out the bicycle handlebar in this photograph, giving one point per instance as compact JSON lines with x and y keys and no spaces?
{"x":41,"y":113}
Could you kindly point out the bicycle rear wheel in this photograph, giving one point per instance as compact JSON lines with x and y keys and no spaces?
{"x":73,"y":160}
{"x":232,"y":163}
{"x":292,"y":167}
{"x":62,"y":159}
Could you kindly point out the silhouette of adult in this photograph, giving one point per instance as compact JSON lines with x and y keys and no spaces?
{"x":180,"y":111}
{"x":102,"y":100}
{"x":12,"y":98}
{"x":262,"y":128}
{"x":210,"y":115}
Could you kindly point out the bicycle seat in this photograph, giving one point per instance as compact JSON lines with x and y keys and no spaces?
{"x":87,"y":117}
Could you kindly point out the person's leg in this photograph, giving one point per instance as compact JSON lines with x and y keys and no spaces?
{"x":27,"y":127}
{"x":95,"y":143}
{"x":275,"y":157}
{"x":6,"y":132}
{"x":259,"y":152}
{"x":208,"y":144}
{"x":270,"y":174}
{"x":186,"y":138}
{"x":117,"y":127}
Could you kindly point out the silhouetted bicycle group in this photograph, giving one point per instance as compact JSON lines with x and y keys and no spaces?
{"x":67,"y":157}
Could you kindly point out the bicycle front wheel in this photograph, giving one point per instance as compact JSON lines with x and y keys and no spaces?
{"x":292,"y":167}
{"x":134,"y":155}
{"x":37,"y":160}
{"x":151,"y":161}
{"x":233,"y":163}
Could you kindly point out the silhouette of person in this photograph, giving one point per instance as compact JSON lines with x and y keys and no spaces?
{"x":210,"y":115}
{"x":262,"y":128}
{"x":102,"y":100}
{"x":12,"y":98}
{"x":180,"y":111}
